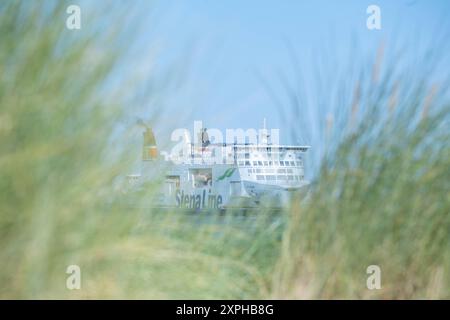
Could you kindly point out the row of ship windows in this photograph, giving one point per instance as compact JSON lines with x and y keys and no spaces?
{"x":247,"y":155}
{"x":250,"y":171}
{"x":279,"y":177}
{"x":271,"y":163}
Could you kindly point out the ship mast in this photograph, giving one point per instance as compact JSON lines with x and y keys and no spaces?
{"x":263,"y":134}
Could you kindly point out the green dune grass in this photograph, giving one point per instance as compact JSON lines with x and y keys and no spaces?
{"x":381,"y":196}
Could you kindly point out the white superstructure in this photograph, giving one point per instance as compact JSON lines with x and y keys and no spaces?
{"x":221,"y":176}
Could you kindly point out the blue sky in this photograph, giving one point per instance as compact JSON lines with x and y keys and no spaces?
{"x":226,"y":53}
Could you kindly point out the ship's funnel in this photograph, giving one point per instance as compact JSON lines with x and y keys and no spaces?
{"x":149,"y":149}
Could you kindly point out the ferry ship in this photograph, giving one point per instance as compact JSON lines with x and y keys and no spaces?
{"x":221,"y":176}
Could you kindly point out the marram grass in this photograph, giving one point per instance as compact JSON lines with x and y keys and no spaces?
{"x":58,"y":111}
{"x":381,"y":196}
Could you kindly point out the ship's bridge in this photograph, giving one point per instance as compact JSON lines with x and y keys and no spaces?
{"x":239,"y":154}
{"x":280,"y":165}
{"x":273,"y":165}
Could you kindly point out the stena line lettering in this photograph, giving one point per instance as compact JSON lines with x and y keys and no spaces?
{"x":198,"y":201}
